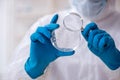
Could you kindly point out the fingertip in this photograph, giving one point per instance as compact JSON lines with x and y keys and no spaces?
{"x":56,"y":15}
{"x":57,"y":26}
{"x":92,"y":24}
{"x":73,"y":52}
{"x":54,"y":18}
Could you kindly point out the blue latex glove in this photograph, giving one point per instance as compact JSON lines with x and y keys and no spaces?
{"x":102,"y":45}
{"x":42,"y":52}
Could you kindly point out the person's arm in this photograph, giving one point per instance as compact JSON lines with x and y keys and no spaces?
{"x":102,"y":45}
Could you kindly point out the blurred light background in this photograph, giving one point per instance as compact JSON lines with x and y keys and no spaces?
{"x":16,"y":16}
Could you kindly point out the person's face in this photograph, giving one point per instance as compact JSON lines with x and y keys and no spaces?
{"x":89,"y":8}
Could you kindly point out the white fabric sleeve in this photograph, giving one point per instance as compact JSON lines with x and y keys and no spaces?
{"x":15,"y":71}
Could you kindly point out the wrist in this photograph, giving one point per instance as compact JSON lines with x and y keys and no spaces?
{"x":112,"y":59}
{"x":33,"y":69}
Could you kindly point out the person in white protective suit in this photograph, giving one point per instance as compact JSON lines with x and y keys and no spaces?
{"x":36,"y":58}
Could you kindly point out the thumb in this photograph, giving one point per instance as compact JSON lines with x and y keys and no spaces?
{"x":60,"y":53}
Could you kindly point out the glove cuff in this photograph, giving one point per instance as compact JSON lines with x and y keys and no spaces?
{"x":113,"y":59}
{"x":32,"y":69}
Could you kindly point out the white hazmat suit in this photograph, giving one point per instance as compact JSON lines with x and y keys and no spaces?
{"x":83,"y":65}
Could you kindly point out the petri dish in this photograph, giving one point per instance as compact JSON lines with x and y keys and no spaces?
{"x":67,"y":37}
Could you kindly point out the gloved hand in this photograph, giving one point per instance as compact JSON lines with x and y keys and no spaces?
{"x":42,"y":52}
{"x":102,"y":45}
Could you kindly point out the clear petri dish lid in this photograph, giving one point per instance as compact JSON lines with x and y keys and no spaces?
{"x":73,"y":22}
